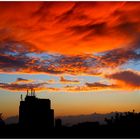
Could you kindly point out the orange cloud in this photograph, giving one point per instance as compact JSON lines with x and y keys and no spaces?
{"x":22,"y":87}
{"x":55,"y":27}
{"x":22,"y":80}
{"x":42,"y":86}
{"x":23,"y":84}
{"x":76,"y":38}
{"x":51,"y":81}
{"x":66,"y":81}
{"x":90,"y":87}
{"x":17,"y":57}
{"x":122,"y":80}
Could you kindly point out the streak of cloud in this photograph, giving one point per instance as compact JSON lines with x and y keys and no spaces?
{"x":66,"y":81}
{"x":127,"y":79}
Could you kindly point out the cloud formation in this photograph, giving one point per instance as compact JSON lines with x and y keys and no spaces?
{"x":22,"y":80}
{"x":22,"y":87}
{"x":69,"y":38}
{"x":76,"y":25}
{"x":23,"y":84}
{"x":66,"y":81}
{"x":118,"y":57}
{"x":41,"y":86}
{"x":120,"y":80}
{"x":127,"y":79}
{"x":17,"y":57}
{"x":91,"y":87}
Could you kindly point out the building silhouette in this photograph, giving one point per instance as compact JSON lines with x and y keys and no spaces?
{"x":58,"y":123}
{"x":34,"y":112}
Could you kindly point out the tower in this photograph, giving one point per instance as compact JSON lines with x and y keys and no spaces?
{"x":34,"y":112}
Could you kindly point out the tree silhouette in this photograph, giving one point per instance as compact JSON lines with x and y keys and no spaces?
{"x":125,"y":119}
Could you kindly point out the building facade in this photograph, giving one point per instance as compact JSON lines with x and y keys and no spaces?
{"x":35,"y":112}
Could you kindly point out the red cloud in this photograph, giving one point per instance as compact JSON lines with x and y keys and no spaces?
{"x":58,"y":26}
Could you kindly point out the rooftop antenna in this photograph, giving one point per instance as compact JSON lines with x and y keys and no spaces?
{"x":34,"y":92}
{"x":21,"y":97}
{"x":27,"y":92}
{"x":31,"y":92}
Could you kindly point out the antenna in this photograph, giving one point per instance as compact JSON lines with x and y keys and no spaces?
{"x":27,"y":92}
{"x":21,"y":97}
{"x":34,"y":92}
{"x":31,"y":92}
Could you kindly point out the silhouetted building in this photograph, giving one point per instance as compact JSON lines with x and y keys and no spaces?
{"x":35,"y":112}
{"x":58,"y":123}
{"x":88,"y":125}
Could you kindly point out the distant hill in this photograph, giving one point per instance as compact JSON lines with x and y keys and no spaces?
{"x":11,"y":120}
{"x":71,"y":120}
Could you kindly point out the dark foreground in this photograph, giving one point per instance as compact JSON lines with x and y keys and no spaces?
{"x":104,"y":131}
{"x":123,"y":125}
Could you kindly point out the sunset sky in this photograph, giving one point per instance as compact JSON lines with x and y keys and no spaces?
{"x":84,"y":56}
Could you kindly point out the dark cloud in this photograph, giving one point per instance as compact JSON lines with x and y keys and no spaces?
{"x":67,"y":15}
{"x":13,"y":64}
{"x":21,"y":87}
{"x":128,"y":77}
{"x":63,"y":80}
{"x":18,"y":57}
{"x":128,"y":28}
{"x":21,"y":79}
{"x":118,"y":57}
{"x":91,"y":87}
{"x":22,"y":84}
{"x":99,"y":85}
{"x":94,"y":29}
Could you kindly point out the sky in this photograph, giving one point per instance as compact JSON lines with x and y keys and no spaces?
{"x":84,"y":56}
